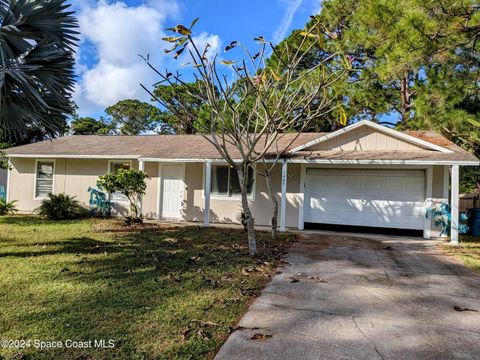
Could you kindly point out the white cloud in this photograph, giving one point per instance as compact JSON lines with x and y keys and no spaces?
{"x":287,"y":19}
{"x":318,"y":7}
{"x":167,"y":7}
{"x":116,"y":34}
{"x":214,"y":41}
{"x":113,"y":37}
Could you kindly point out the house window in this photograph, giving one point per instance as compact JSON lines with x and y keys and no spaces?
{"x":115,"y":166}
{"x":225,"y":181}
{"x":44,"y":179}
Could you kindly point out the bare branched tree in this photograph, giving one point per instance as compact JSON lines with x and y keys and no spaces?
{"x":252,"y":103}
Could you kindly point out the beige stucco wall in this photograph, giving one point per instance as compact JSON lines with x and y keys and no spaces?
{"x":74,"y":176}
{"x":364,"y":139}
{"x":21,"y":184}
{"x":71,"y":176}
{"x":228,"y":210}
{"x":150,"y":203}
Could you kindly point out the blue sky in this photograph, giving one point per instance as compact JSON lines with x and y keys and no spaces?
{"x":115,"y":32}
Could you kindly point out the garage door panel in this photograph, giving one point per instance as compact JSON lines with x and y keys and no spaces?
{"x":361,"y":195}
{"x":380,"y":198}
{"x":371,"y":207}
{"x":379,"y":219}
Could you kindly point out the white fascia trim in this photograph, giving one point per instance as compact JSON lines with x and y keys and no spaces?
{"x":53,"y":156}
{"x":174,"y":160}
{"x":388,"y":162}
{"x":325,"y":161}
{"x":394,"y":133}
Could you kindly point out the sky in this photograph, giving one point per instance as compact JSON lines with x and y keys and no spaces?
{"x":115,"y":33}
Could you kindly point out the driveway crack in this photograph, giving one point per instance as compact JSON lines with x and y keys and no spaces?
{"x":367,"y":338}
{"x":290,"y":308}
{"x":384,"y":268}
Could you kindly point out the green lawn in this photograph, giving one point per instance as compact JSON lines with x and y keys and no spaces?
{"x":157,"y":291}
{"x":468,"y":251}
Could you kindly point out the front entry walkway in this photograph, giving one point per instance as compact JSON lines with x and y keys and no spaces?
{"x":363,"y":297}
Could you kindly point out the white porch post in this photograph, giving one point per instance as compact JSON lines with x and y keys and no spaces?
{"x":208,"y":186}
{"x":9,"y":176}
{"x":427,"y":223}
{"x":301,"y":197}
{"x":141,"y":167}
{"x":283,"y":203}
{"x":454,"y":205}
{"x":446,"y":183}
{"x":159,"y":192}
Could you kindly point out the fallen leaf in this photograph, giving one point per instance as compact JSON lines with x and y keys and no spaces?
{"x":173,"y":278}
{"x":247,"y":271}
{"x":317,"y":279}
{"x":259,"y":336}
{"x":459,"y":308}
{"x":293,"y":279}
{"x":205,"y":323}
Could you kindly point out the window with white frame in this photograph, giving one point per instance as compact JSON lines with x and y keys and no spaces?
{"x":225,"y":181}
{"x":44,"y":179}
{"x":115,"y":166}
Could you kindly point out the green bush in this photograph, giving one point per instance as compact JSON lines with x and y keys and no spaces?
{"x":61,"y":207}
{"x":130,"y":183}
{"x":7,"y":207}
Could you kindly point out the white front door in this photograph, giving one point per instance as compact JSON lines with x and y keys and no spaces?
{"x":172,"y":191}
{"x":360,"y":197}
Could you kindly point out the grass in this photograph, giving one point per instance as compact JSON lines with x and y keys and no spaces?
{"x":468,"y":251}
{"x":160,"y":292}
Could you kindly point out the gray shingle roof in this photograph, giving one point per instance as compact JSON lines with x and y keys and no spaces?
{"x":146,"y":146}
{"x":183,"y":147}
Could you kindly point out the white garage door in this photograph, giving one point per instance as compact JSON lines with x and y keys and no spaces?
{"x":378,"y":198}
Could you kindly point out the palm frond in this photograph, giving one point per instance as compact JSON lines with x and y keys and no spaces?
{"x":37,"y":42}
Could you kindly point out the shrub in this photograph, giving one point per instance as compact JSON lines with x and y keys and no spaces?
{"x":61,"y":207}
{"x":7,"y":207}
{"x":130,"y":183}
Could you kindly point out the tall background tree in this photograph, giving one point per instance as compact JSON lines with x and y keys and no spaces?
{"x":37,"y":42}
{"x":415,"y":63}
{"x":180,"y":101}
{"x":133,"y":117}
{"x":90,"y":126}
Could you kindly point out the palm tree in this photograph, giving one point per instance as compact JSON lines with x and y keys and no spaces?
{"x":37,"y":46}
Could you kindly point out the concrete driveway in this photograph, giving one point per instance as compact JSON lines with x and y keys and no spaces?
{"x":363,"y":297}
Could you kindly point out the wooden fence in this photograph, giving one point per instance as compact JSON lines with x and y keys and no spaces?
{"x":465,"y":202}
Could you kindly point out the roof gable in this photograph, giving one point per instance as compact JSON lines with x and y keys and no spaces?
{"x":369,"y":136}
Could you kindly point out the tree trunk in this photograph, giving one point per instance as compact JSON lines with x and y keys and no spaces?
{"x":249,"y":220}
{"x":406,"y":98}
{"x":274,"y":221}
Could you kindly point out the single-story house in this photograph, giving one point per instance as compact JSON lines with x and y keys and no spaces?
{"x":362,"y":175}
